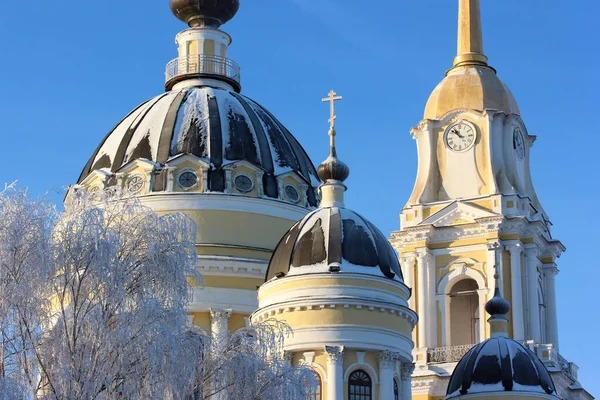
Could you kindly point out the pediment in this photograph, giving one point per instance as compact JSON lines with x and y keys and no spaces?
{"x":458,"y":213}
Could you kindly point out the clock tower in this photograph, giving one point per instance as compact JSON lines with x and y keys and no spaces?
{"x":473,"y":207}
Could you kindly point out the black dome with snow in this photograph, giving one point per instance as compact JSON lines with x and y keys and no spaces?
{"x":500,"y":364}
{"x":338,"y":238}
{"x":216,"y":125}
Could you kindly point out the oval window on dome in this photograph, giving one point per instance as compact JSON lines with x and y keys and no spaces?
{"x":243,"y":183}
{"x":187,"y":179}
{"x":135,"y":184}
{"x":292,"y":194}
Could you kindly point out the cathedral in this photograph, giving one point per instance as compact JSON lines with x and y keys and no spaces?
{"x":460,"y":302}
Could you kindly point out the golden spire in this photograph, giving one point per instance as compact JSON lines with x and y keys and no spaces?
{"x":470,"y":35}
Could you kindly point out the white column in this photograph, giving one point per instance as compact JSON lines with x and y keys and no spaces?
{"x":550,"y":272}
{"x":387,"y":363}
{"x":408,"y":272}
{"x":533,"y":303}
{"x":422,"y":299}
{"x":406,"y":371}
{"x":432,"y":325}
{"x":517,"y":291}
{"x":445,"y":301}
{"x":335,"y":372}
{"x":219,"y":323}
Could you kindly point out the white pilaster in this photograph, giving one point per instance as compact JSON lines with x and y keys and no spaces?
{"x":219,"y":322}
{"x":408,"y":273}
{"x":432,"y":328}
{"x":533,"y":303}
{"x":335,"y":372}
{"x":550,"y":272}
{"x":517,"y":291}
{"x":422,"y":306}
{"x":387,"y":363}
{"x":406,"y":371}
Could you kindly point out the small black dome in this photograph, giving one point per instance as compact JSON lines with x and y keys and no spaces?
{"x":205,"y":12}
{"x":334,"y":239}
{"x":333,"y":169}
{"x":497,"y":305}
{"x":216,"y":125}
{"x":500,"y":365}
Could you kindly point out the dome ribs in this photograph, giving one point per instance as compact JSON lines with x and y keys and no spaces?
{"x":357,"y":244}
{"x":388,"y":259}
{"x":281,"y":260}
{"x":310,"y":249}
{"x":334,"y":247}
{"x":91,"y":166}
{"x":120,"y":154}
{"x":499,"y":365}
{"x":218,"y":126}
{"x":216,"y":176}
{"x":505,"y":362}
{"x":164,"y":143}
{"x":266,"y":158}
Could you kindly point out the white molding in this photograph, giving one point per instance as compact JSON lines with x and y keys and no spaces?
{"x":232,"y":266}
{"x":223,"y":202}
{"x":336,"y":277}
{"x":457,"y":275}
{"x":239,"y":300}
{"x":370,"y":369}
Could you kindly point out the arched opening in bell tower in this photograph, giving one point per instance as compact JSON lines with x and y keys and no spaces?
{"x":464,"y":313}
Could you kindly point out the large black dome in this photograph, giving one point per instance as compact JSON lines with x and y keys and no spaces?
{"x":218,"y":126}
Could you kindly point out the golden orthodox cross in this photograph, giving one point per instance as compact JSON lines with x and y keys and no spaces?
{"x":333,"y":97}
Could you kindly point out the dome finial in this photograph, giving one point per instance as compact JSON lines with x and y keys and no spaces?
{"x":470,"y":35}
{"x":333,"y":172}
{"x":498,"y":307}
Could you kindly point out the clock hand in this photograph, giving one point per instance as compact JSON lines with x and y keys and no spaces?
{"x":457,"y":133}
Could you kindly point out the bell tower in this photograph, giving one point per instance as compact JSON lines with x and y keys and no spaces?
{"x":474,"y":206}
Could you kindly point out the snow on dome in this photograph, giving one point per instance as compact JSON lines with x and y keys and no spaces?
{"x":500,"y":364}
{"x":218,"y":126}
{"x":331,"y":238}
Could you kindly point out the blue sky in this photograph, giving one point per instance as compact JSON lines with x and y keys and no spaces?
{"x":72,"y":69}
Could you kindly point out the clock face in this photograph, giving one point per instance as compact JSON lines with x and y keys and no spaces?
{"x":519,"y":143}
{"x":460,"y":136}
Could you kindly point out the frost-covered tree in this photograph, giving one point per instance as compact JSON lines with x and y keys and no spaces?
{"x":92,"y":306}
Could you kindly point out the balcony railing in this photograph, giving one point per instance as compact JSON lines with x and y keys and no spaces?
{"x":448,"y":354}
{"x":203,"y":65}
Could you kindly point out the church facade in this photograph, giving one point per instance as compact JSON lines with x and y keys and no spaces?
{"x":374,"y":317}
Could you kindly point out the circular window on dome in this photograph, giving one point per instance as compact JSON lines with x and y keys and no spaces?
{"x":135,"y":183}
{"x":292,"y":193}
{"x":243,"y":183}
{"x":187,"y":179}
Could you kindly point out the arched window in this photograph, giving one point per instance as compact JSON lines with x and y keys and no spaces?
{"x":359,"y":386}
{"x":464,"y":315}
{"x":315,"y":393}
{"x":396,"y":391}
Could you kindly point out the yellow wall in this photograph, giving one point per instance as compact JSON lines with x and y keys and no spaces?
{"x":343,"y":316}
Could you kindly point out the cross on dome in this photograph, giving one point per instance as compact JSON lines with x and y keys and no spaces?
{"x":332,"y":98}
